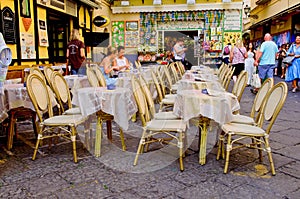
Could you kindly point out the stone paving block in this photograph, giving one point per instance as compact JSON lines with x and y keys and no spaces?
{"x":292,"y":169}
{"x":284,"y":139}
{"x":85,"y":174}
{"x":14,"y":191}
{"x":291,"y":152}
{"x":92,"y":189}
{"x":208,"y":189}
{"x":281,"y":184}
{"x":293,"y":132}
{"x":49,"y":183}
{"x":247,"y":191}
{"x":158,"y":189}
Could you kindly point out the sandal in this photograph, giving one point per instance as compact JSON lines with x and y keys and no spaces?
{"x":294,"y":90}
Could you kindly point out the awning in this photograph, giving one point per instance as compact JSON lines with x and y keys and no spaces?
{"x":276,"y":16}
{"x":177,"y":7}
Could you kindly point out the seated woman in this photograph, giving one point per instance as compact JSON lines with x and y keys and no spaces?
{"x":106,"y":66}
{"x":121,"y":61}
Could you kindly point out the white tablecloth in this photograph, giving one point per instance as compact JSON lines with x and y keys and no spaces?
{"x":119,"y":102}
{"x":218,"y":106}
{"x":76,"y":82}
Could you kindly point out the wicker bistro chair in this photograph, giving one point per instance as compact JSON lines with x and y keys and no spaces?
{"x":165,"y":102}
{"x":48,"y":71}
{"x":100,"y":76}
{"x":63,"y":94}
{"x":93,"y":80}
{"x":240,"y":85}
{"x":257,"y":105}
{"x":257,"y":135}
{"x":37,"y":71}
{"x":151,"y":106}
{"x":174,"y":129}
{"x":171,"y":84}
{"x":180,"y":67}
{"x":227,"y":78}
{"x":53,"y":126}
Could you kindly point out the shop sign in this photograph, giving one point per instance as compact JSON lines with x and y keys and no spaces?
{"x":101,"y":21}
{"x":8,"y":25}
{"x":232,"y":20}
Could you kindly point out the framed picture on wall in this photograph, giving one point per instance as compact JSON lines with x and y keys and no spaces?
{"x":25,"y":8}
{"x":131,"y":25}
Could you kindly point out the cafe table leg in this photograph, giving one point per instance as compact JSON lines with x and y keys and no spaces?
{"x":203,"y":123}
{"x":98,"y":137}
{"x":133,"y":118}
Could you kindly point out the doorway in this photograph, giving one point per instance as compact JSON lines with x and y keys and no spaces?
{"x":170,"y":38}
{"x":58,"y":29}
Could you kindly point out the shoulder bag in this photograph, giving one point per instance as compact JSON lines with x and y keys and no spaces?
{"x":289,"y":59}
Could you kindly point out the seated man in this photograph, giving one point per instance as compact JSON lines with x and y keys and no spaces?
{"x":121,"y":61}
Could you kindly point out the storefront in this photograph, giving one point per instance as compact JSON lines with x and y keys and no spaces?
{"x":205,"y":28}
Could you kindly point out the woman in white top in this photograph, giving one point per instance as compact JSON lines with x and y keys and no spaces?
{"x":249,"y":63}
{"x":121,"y":61}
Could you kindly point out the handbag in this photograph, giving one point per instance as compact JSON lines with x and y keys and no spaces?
{"x":288,"y":60}
{"x":255,"y":81}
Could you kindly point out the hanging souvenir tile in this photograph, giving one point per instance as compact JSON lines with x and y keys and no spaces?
{"x":168,"y":18}
{"x":176,"y":16}
{"x":173,"y":16}
{"x":193,"y":15}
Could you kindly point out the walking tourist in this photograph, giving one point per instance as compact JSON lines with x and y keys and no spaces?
{"x":75,"y":53}
{"x":293,"y":71}
{"x":179,"y":51}
{"x":226,"y":53}
{"x":265,"y":59}
{"x":249,"y":63}
{"x":237,"y":58}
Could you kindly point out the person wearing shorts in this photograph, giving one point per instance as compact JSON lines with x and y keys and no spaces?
{"x":265,"y":59}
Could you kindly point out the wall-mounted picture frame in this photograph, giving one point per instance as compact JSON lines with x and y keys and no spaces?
{"x":25,"y":8}
{"x":131,"y":25}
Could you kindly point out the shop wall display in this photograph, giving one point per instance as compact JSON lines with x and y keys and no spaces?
{"x":118,"y":33}
{"x":27,"y":46}
{"x":282,"y":38}
{"x":132,"y":34}
{"x":43,"y":36}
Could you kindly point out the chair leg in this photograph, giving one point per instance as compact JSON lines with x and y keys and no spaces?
{"x":73,"y":138}
{"x":228,"y":149}
{"x":109,"y":129}
{"x":122,"y":140}
{"x":268,"y":149}
{"x":181,"y":146}
{"x":33,"y":119}
{"x":139,"y":150}
{"x":11,"y":129}
{"x":39,"y":139}
{"x":220,"y":143}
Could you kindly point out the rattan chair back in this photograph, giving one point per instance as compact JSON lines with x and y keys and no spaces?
{"x":100,"y":76}
{"x":157,"y":86}
{"x":273,"y":104}
{"x":140,"y":101}
{"x":61,"y":89}
{"x":240,"y":85}
{"x":37,"y":71}
{"x":48,"y":72}
{"x":148,"y":96}
{"x":39,"y":95}
{"x":260,"y":96}
{"x":91,"y":75}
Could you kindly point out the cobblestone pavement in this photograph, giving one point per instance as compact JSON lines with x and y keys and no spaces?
{"x":54,"y":175}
